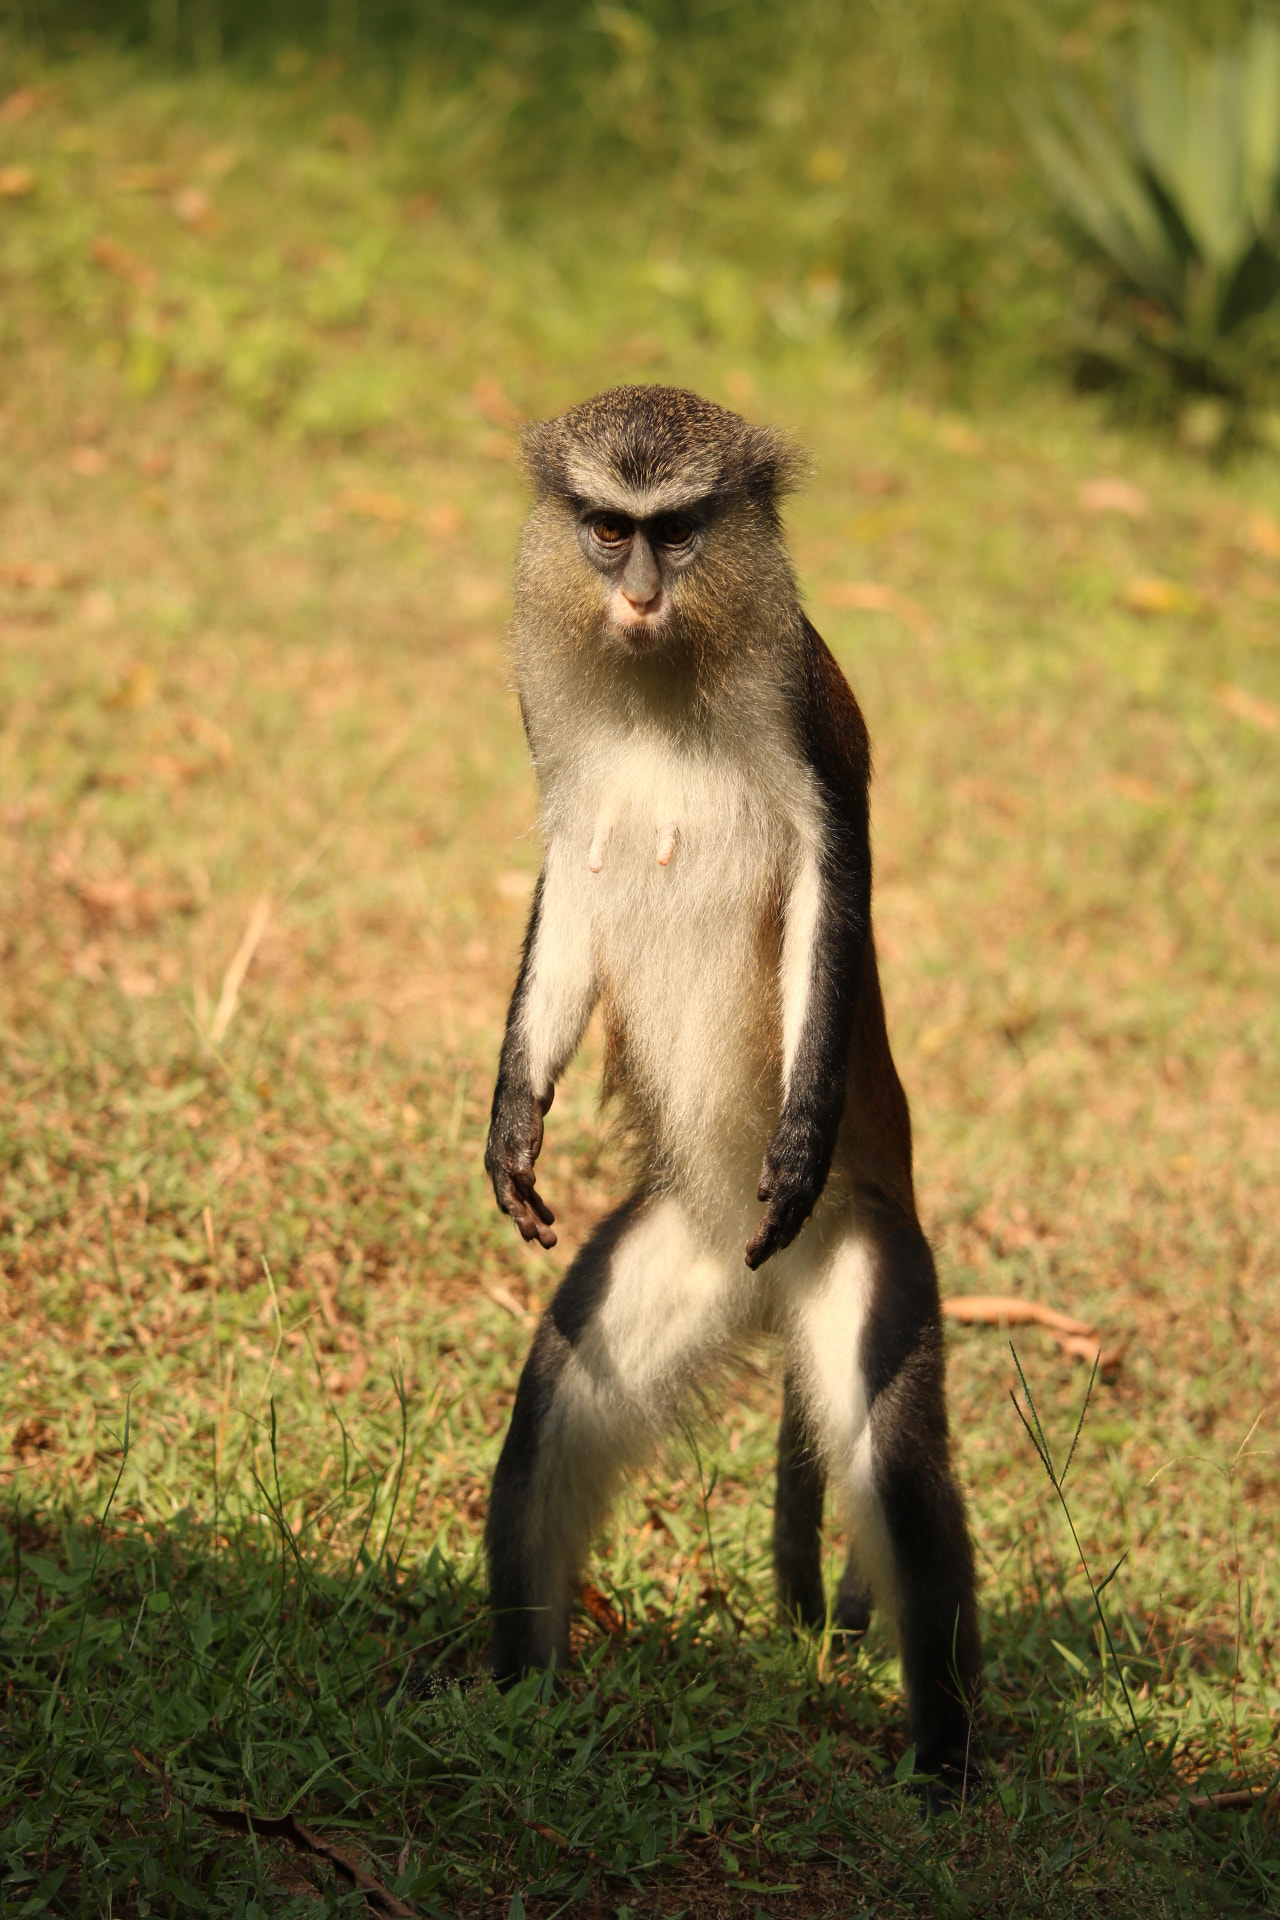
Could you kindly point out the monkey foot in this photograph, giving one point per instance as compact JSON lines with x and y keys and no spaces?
{"x":952,"y":1779}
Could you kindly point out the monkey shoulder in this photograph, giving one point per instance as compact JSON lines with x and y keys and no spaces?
{"x":830,"y":730}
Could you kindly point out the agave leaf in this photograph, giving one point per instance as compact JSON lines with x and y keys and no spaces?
{"x":1185,"y":202}
{"x":1099,"y":186}
{"x":1260,"y":120}
{"x":1154,"y":104}
{"x":1187,"y":119}
{"x":1217,"y":211}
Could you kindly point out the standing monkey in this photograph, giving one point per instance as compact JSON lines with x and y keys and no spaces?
{"x":703,"y":771}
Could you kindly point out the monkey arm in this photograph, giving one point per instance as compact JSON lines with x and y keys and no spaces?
{"x":828,"y":922}
{"x":555,"y":992}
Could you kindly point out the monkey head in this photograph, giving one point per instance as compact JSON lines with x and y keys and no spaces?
{"x":656,"y":523}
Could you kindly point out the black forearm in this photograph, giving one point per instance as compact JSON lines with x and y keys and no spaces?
{"x":815,"y":1094}
{"x":803,"y":1143}
{"x":515,"y":1120}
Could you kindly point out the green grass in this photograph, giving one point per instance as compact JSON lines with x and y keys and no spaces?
{"x":257,"y":511}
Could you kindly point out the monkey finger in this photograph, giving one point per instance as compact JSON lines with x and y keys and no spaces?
{"x":762,"y":1243}
{"x":531,"y":1228}
{"x":781,"y":1224}
{"x":539,"y":1205}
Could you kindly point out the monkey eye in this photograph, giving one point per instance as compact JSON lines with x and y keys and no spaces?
{"x":674,"y":530}
{"x":612,"y":529}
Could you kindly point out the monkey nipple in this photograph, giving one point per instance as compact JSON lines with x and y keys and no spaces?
{"x":666,"y":842}
{"x":595,"y":859}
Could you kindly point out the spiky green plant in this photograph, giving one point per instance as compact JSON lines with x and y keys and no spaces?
{"x":1181,"y":195}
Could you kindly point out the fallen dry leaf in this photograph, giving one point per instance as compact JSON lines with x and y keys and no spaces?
{"x":1249,"y":707}
{"x":879,"y":483}
{"x":443,"y":521}
{"x":16,"y":106}
{"x":34,"y":1435}
{"x":219,"y":162}
{"x":142,"y":179}
{"x":957,"y":436}
{"x":98,"y":607}
{"x":123,"y":901}
{"x":1263,"y":530}
{"x":136,"y":687}
{"x":873,"y":596}
{"x":87,"y":964}
{"x":191,"y":204}
{"x":372,"y":503}
{"x":1110,"y":495}
{"x":123,"y":264}
{"x":1149,"y":593}
{"x":1133,"y":788}
{"x":204,"y":732}
{"x":348,"y":131}
{"x":602,"y":1611}
{"x":31,"y":573}
{"x":16,"y":182}
{"x":136,"y":985}
{"x":88,"y":462}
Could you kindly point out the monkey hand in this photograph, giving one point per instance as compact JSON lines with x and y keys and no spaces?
{"x":514,"y":1143}
{"x":793,"y":1176}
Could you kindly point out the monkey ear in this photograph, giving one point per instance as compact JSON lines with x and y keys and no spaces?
{"x":772,"y":464}
{"x":541,"y":457}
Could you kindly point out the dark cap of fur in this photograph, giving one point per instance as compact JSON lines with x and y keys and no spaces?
{"x":651,"y":435}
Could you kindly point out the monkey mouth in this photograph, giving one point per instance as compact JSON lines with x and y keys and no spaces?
{"x":642,"y":631}
{"x":639,"y":636}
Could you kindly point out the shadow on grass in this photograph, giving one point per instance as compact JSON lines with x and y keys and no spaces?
{"x":156,"y":1674}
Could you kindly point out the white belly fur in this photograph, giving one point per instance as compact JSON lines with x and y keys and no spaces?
{"x":672,"y":858}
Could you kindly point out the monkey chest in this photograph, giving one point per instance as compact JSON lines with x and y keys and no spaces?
{"x":681,"y":873}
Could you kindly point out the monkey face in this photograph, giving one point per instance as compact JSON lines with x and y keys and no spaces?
{"x":641,"y":561}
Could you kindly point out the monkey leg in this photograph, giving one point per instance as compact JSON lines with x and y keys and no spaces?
{"x":642,"y":1311}
{"x":797,"y":1515}
{"x":797,"y":1529}
{"x":873,"y":1371}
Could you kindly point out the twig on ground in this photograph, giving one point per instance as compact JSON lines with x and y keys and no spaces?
{"x":1232,"y":1799}
{"x":378,"y":1898}
{"x":1075,"y":1337}
{"x":504,"y":1298}
{"x":241,"y":960}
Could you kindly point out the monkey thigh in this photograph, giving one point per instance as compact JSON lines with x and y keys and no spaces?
{"x":642,"y":1311}
{"x":866,"y":1364}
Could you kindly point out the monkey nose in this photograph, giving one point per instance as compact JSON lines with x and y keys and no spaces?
{"x":642,"y":602}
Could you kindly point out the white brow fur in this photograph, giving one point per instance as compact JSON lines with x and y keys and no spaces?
{"x":609,"y":493}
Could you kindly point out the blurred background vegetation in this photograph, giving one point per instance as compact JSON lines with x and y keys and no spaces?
{"x":954,"y":189}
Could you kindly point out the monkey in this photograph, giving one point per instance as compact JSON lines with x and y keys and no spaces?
{"x":703,"y":772}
